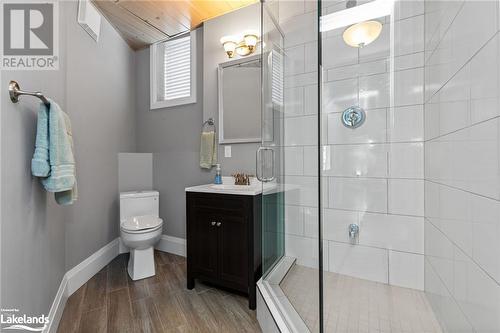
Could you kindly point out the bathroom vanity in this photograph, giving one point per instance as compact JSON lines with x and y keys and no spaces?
{"x":224,"y":237}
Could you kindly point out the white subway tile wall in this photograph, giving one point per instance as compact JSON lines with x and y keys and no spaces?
{"x":421,"y":177}
{"x":373,"y":175}
{"x":462,"y":164}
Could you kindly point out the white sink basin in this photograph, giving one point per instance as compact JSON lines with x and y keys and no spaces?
{"x":229,"y":187}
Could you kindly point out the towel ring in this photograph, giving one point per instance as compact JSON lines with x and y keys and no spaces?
{"x":209,"y":122}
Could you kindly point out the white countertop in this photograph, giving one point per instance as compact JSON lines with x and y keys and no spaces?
{"x":228,"y":187}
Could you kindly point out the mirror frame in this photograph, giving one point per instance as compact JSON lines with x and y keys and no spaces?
{"x":220,"y":99}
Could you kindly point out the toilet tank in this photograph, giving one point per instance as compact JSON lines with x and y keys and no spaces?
{"x":139,"y":203}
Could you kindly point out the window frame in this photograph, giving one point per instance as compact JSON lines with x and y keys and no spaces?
{"x":154,"y":73}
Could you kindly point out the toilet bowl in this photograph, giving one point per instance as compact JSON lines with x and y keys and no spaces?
{"x":140,"y":242}
{"x":140,"y":230}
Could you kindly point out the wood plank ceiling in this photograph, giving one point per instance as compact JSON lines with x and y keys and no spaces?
{"x":143,"y":22}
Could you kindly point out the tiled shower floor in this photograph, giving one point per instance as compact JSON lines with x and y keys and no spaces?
{"x":355,"y":305}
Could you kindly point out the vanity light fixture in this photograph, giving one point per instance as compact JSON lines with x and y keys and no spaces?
{"x":229,"y":45}
{"x":251,"y":39}
{"x":362,"y":33}
{"x":242,"y":46}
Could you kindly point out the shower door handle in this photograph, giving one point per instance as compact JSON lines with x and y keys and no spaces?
{"x":258,"y":161}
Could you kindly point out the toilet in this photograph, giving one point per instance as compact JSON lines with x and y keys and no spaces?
{"x":140,"y":230}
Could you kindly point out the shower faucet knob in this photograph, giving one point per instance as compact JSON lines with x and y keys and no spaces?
{"x":353,"y":231}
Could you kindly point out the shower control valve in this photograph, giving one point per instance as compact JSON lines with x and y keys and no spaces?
{"x":353,"y":231}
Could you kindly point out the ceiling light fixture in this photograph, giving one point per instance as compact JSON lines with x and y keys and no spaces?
{"x":347,"y":17}
{"x":362,"y":33}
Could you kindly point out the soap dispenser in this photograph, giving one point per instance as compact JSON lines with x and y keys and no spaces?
{"x":218,"y":176}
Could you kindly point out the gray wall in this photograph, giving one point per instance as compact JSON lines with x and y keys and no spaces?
{"x":234,"y":23}
{"x":100,"y":86}
{"x":173,"y":136}
{"x":135,"y":172}
{"x":41,"y":240}
{"x":100,"y":99}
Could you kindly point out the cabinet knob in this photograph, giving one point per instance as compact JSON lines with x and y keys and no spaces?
{"x":218,"y":224}
{"x":213,"y":223}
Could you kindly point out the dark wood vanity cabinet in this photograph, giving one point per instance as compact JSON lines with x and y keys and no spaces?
{"x":224,"y":241}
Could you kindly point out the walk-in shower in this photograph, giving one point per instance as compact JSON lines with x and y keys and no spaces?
{"x":380,"y":123}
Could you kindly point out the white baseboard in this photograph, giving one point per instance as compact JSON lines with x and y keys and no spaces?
{"x":81,"y":273}
{"x":57,"y":308}
{"x":77,"y":277}
{"x":84,"y":271}
{"x":172,"y":244}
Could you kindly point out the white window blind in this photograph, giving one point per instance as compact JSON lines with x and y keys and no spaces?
{"x":177,"y":68}
{"x":277,"y":78}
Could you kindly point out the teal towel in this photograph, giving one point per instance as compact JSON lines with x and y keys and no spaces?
{"x":40,"y":165}
{"x":54,"y":147}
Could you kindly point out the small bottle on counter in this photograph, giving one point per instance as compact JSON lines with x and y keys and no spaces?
{"x":218,"y":176}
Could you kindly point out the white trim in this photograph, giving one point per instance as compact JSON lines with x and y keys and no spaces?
{"x":282,"y":311}
{"x":172,"y":244}
{"x":77,"y":277}
{"x":57,"y":308}
{"x":84,"y":271}
{"x":220,"y":99}
{"x":81,"y":273}
{"x":264,"y":316}
{"x":154,"y":103}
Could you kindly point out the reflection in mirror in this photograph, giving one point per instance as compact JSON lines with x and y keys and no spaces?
{"x":240,"y":100}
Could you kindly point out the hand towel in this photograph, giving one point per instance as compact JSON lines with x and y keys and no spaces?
{"x":68,"y":197}
{"x":208,"y":150}
{"x":54,"y":147}
{"x":40,"y":165}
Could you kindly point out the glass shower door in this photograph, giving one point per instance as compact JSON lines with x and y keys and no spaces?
{"x":372,"y":58}
{"x":270,"y":154}
{"x":288,"y":162}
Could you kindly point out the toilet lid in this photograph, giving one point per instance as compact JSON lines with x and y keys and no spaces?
{"x":141,"y":222}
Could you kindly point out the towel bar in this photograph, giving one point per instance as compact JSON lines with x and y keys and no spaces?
{"x":15,"y":92}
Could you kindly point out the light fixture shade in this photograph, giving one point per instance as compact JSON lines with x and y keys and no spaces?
{"x":362,"y":33}
{"x":251,"y":39}
{"x":229,"y":44}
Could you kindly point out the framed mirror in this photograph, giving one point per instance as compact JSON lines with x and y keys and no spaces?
{"x":240,"y":100}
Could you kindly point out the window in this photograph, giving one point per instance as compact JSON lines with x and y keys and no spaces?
{"x":277,"y":78}
{"x":173,"y":68}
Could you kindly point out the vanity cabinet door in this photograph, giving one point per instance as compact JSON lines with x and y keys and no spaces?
{"x":203,"y":242}
{"x":233,"y":251}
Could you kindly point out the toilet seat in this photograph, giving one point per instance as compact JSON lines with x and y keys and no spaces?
{"x":141,"y":224}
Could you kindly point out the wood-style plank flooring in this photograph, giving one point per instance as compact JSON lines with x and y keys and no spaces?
{"x":111,"y":302}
